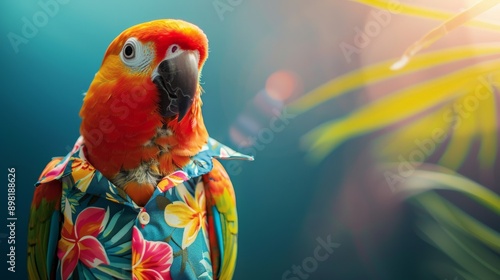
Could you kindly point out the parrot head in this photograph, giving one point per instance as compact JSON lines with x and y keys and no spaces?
{"x":141,"y":117}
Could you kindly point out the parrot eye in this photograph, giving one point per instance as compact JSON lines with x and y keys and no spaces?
{"x":136,"y":55}
{"x":174,"y":50}
{"x":129,"y":51}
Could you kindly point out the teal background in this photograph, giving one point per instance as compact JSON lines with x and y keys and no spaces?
{"x":285,"y":203}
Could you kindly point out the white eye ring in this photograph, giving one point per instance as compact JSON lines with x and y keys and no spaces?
{"x":174,"y":50}
{"x":135,"y":55}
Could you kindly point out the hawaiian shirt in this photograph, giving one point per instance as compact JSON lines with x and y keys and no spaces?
{"x":105,"y":235}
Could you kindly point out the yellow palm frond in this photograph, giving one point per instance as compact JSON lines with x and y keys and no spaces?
{"x":461,"y":140}
{"x":443,"y":29}
{"x":489,"y":138}
{"x":423,"y":12}
{"x":445,"y":117}
{"x":424,"y":133}
{"x":398,"y":106}
{"x":381,"y":71}
{"x":418,"y":104}
{"x":425,"y":180}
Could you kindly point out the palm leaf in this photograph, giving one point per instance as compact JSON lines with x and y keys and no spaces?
{"x":416,"y":112}
{"x":449,"y":215}
{"x":397,"y":106}
{"x":465,"y":240}
{"x":403,"y":139}
{"x":461,"y":251}
{"x":423,"y":12}
{"x":414,"y":102}
{"x":488,"y":123}
{"x":443,"y":29}
{"x":381,"y":71}
{"x":423,"y":180}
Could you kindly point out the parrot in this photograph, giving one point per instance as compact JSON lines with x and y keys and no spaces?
{"x":142,"y":195}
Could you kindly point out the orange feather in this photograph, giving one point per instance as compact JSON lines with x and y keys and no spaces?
{"x":120,"y":114}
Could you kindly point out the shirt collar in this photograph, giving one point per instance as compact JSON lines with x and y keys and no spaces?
{"x":91,"y":181}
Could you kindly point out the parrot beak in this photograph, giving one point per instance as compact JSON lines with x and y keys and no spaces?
{"x":177,"y":81}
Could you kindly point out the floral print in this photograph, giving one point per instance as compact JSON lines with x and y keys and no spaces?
{"x":172,"y":180}
{"x":189,"y":214}
{"x":78,"y":241}
{"x":150,"y":259}
{"x":104,"y":237}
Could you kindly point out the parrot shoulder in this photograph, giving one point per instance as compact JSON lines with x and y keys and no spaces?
{"x":222,"y":220}
{"x":44,"y":228}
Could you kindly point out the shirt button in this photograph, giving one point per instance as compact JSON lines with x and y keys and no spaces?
{"x":144,"y":218}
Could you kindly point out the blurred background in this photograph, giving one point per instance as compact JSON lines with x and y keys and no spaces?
{"x":384,"y":172}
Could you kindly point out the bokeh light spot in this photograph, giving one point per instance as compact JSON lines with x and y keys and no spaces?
{"x":282,"y":85}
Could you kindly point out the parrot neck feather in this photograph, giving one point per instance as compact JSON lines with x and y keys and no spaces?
{"x":136,"y":158}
